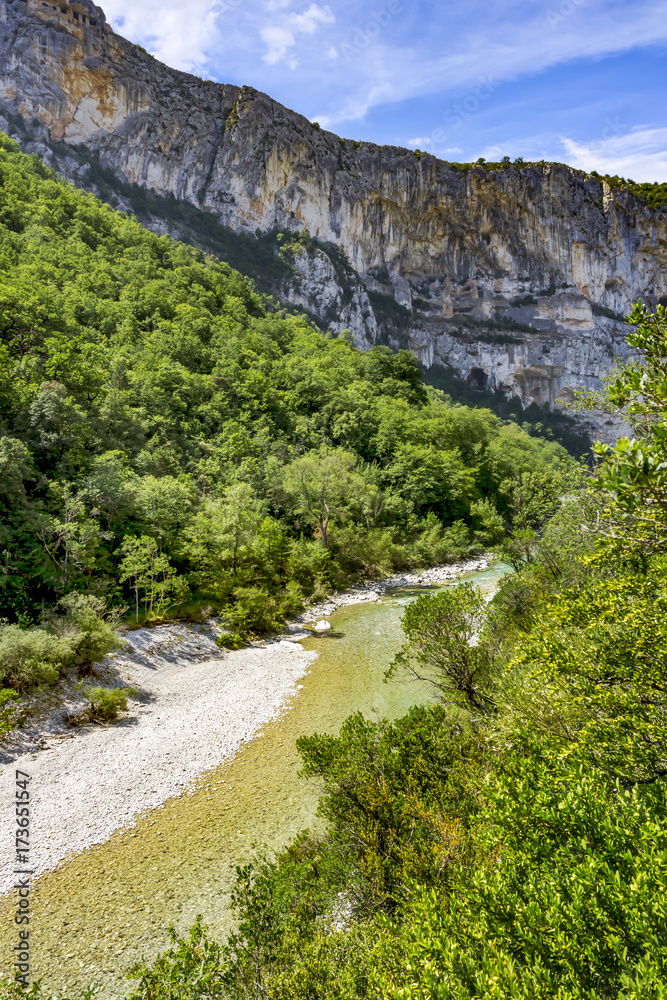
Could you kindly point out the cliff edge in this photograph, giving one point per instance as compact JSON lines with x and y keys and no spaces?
{"x":517,"y":278}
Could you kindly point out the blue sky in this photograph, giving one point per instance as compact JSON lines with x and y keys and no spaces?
{"x":579,"y":81}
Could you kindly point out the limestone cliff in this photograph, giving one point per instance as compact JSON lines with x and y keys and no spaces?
{"x":516,"y":278}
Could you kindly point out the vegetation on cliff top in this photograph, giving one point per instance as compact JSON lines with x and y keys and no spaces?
{"x":652,"y":193}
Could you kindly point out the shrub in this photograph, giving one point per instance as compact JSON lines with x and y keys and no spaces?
{"x":106,"y":703}
{"x":313,"y":568}
{"x":443,"y":545}
{"x":33,"y":656}
{"x":8,"y":699}
{"x":390,"y":790}
{"x":488,"y":525}
{"x":76,"y":633}
{"x":255,"y":610}
{"x":191,"y":969}
{"x":95,"y":634}
{"x":231,"y":640}
{"x":372,"y":553}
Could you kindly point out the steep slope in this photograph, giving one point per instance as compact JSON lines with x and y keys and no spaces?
{"x":516,"y":278}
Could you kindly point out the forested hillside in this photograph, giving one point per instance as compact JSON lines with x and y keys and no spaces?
{"x":511,"y":841}
{"x":169,"y":436}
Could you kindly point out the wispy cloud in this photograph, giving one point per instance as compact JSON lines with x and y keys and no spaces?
{"x":499,"y":46}
{"x":179,"y":34}
{"x":641,"y":155}
{"x":281,"y":38}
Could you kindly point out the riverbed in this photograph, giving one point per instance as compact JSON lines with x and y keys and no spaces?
{"x":105,"y":908}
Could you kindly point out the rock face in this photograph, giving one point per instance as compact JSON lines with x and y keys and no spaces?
{"x":516,"y":278}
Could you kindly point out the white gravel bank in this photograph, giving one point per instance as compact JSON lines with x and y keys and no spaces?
{"x":198,"y":705}
{"x":196,"y":708}
{"x":419,"y":578}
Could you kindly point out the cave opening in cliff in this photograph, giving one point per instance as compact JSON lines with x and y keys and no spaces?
{"x":477,"y":378}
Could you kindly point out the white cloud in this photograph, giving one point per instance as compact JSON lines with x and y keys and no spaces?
{"x":640,"y":155}
{"x":308,"y":22}
{"x":280,"y":38}
{"x":419,"y":143}
{"x":278,"y":41}
{"x":176,"y":33}
{"x":504,"y":45}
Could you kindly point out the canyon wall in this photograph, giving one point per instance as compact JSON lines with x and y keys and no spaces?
{"x":517,"y":278}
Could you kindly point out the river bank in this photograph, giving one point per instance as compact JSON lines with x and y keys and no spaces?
{"x":197,"y":705}
{"x":103,"y":908}
{"x":435,"y":576}
{"x":190,"y":717}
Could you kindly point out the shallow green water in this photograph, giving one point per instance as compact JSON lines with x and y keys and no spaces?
{"x":98,"y":913}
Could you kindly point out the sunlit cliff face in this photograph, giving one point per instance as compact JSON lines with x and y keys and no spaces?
{"x":520,"y":274}
{"x":77,"y":14}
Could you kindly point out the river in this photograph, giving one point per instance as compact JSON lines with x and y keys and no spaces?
{"x":105,"y":908}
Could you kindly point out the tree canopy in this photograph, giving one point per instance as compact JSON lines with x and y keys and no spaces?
{"x":509,"y":841}
{"x":167,"y":431}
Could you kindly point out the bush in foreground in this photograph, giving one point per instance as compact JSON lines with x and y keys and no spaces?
{"x":29,"y":657}
{"x":106,"y":703}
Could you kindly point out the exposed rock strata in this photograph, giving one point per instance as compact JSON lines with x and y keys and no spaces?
{"x":516,"y":278}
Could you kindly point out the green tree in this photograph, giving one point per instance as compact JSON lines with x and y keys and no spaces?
{"x":430,"y":479}
{"x":319,"y":486}
{"x":16,"y":469}
{"x":111,"y":488}
{"x":634,"y":470}
{"x":532,"y":498}
{"x":151,"y":575}
{"x":221,"y":536}
{"x":597,"y":662}
{"x":165,"y":505}
{"x":71,"y":541}
{"x":445,"y":647}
